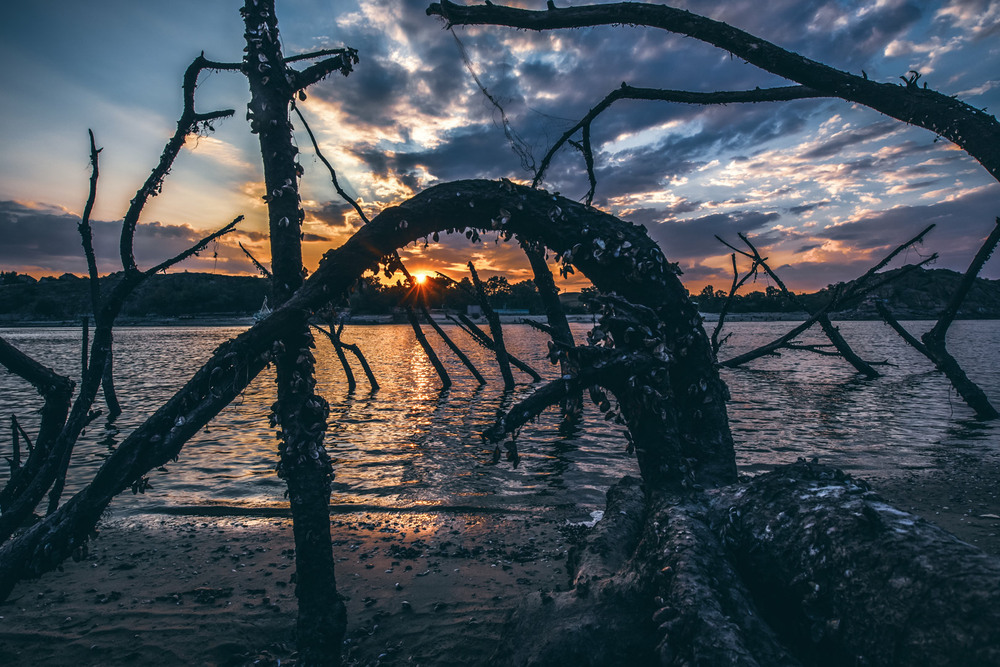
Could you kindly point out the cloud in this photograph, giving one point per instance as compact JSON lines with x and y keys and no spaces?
{"x":690,"y":241}
{"x":41,"y":241}
{"x":805,"y":208}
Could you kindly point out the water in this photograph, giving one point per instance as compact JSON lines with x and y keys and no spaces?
{"x":409,"y":445}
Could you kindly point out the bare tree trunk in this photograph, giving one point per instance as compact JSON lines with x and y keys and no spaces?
{"x":453,"y":347}
{"x":301,"y":414}
{"x":108,"y":384}
{"x":495,"y":329}
{"x":428,"y":350}
{"x":799,"y":566}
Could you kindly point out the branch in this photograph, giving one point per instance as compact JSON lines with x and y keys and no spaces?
{"x":860,"y":283}
{"x":626,"y":92}
{"x":333,"y":172}
{"x":334,"y":336}
{"x":499,"y":348}
{"x":975,"y":131}
{"x":428,"y":350}
{"x":86,"y":233}
{"x":940,"y":329}
{"x":831,"y":331}
{"x":737,"y":284}
{"x":260,"y":267}
{"x":344,"y":63}
{"x":318,"y":54}
{"x":187,"y":124}
{"x":195,"y":249}
{"x":356,"y":351}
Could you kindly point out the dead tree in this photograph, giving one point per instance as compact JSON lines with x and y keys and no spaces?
{"x":299,"y":412}
{"x":933,"y":343}
{"x":498,"y":345}
{"x":651,"y":353}
{"x":823,"y":319}
{"x":53,"y":453}
{"x":699,"y":423}
{"x":866,"y":284}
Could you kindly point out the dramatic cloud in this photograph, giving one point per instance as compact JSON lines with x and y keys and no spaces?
{"x":808,"y":178}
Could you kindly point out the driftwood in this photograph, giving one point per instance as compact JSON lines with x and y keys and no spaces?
{"x":802,"y":565}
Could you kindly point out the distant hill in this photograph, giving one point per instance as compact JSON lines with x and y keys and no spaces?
{"x":918,"y":294}
{"x":923,"y":294}
{"x":67,"y":298}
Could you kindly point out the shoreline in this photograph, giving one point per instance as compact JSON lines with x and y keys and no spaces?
{"x":420,"y":587}
{"x":378,"y":320}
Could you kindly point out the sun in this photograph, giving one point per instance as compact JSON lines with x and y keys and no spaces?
{"x":420,"y":278}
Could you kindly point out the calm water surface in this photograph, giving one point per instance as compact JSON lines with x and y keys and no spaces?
{"x":412,"y":445}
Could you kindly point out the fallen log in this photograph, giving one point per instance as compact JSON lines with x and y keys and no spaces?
{"x":803,"y":565}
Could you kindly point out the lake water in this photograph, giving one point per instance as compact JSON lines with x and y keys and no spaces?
{"x":409,"y":445}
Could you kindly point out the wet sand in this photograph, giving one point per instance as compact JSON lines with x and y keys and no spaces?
{"x":419,"y":588}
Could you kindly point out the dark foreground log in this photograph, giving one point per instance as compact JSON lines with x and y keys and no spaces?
{"x":800,"y":566}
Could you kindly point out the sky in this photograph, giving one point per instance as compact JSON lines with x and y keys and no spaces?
{"x":823,"y":187}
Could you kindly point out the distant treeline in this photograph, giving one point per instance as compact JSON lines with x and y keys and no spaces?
{"x":201,"y":294}
{"x":919,"y":294}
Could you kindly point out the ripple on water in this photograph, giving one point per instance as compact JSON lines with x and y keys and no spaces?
{"x":409,"y":444}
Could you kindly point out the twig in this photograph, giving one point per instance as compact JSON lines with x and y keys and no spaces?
{"x":333,"y":173}
{"x":188,"y":123}
{"x":264,"y":271}
{"x":195,"y":249}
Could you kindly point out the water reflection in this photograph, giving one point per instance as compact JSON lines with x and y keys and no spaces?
{"x":413,"y":445}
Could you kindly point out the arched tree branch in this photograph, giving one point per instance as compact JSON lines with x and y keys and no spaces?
{"x":975,"y":131}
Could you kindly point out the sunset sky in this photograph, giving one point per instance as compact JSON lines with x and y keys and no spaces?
{"x":822,"y":185}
